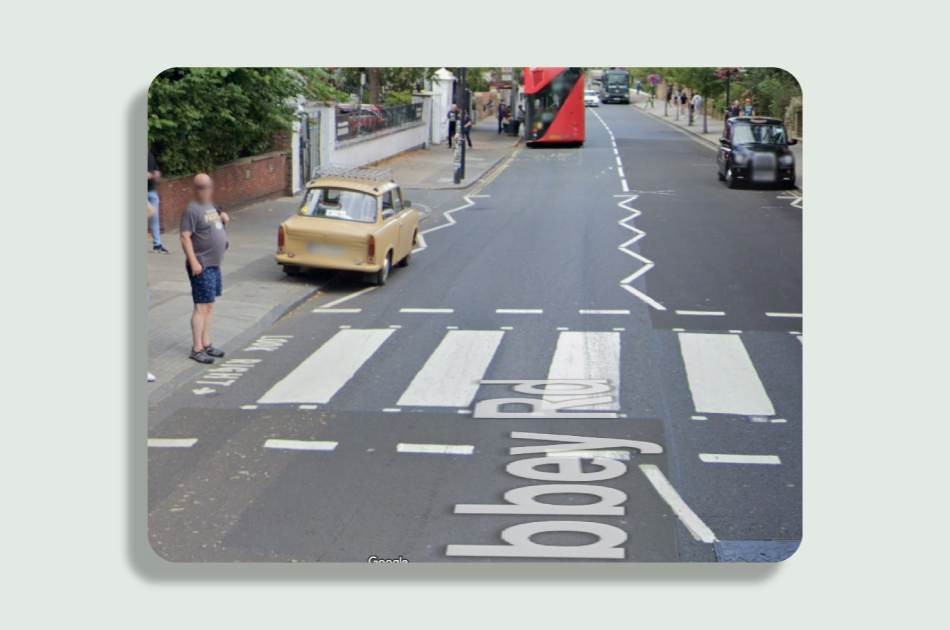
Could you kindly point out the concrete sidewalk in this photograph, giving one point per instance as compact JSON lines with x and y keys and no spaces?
{"x":714,"y":128}
{"x":434,"y":168}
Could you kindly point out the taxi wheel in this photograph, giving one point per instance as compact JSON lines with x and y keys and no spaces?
{"x":731,"y":181}
{"x":720,"y":176}
{"x":381,"y":276}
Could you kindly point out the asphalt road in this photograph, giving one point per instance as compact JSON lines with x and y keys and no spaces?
{"x":624,"y":261}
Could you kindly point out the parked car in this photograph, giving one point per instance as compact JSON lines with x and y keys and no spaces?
{"x":368,"y":118}
{"x":351,"y":219}
{"x":756,"y":150}
{"x":591,"y":99}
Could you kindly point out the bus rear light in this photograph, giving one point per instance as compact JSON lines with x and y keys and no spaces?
{"x":371,"y":253}
{"x":280,"y":240}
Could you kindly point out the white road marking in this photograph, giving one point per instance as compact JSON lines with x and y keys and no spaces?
{"x":587,"y":356}
{"x":426,"y":310}
{"x":248,"y":407}
{"x":507,"y":327}
{"x":779,"y":420}
{"x":451,"y":327}
{"x":623,"y":182}
{"x":714,"y":458}
{"x":345,"y":327}
{"x":518,"y":311}
{"x":167,"y":443}
{"x":562,"y":328}
{"x":794,"y":332}
{"x":643,"y":296}
{"x":397,"y":326}
{"x":693,"y":523}
{"x":464,"y":412}
{"x":698,"y":418}
{"x":327,"y":370}
{"x":300,"y":445}
{"x":204,"y":391}
{"x":307,"y":407}
{"x":602,"y":312}
{"x":337,"y":310}
{"x":736,"y":332}
{"x":346,"y":298}
{"x":702,"y":313}
{"x":620,"y":329}
{"x":721,"y":376}
{"x":620,"y":171}
{"x":436,"y":449}
{"x":679,"y":330}
{"x":800,"y":340}
{"x":795,"y":315}
{"x":623,"y":456}
{"x":450,"y":378}
{"x":392,"y":410}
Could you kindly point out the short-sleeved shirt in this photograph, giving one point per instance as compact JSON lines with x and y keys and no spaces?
{"x":152,"y":167}
{"x":453,"y":116}
{"x":748,"y":109}
{"x":208,"y":236}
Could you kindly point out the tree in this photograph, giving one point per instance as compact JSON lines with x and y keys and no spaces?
{"x":704,"y":81}
{"x":201,"y":117}
{"x":771,"y":90}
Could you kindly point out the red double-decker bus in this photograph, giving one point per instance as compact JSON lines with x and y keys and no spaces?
{"x":554,"y":112}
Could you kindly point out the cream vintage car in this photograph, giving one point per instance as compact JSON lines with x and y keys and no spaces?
{"x":352,"y":219}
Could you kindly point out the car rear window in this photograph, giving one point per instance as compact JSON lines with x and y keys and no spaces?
{"x":340,"y":204}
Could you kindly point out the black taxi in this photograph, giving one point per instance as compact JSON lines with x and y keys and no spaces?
{"x":755,"y":150}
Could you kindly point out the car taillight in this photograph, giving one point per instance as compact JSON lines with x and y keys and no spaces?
{"x":280,"y":240}
{"x":371,"y":253}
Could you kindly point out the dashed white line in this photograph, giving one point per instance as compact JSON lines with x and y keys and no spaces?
{"x":337,"y":310}
{"x":392,"y":410}
{"x":348,"y":297}
{"x":619,"y":329}
{"x":702,"y":313}
{"x":397,"y":326}
{"x":794,"y":315}
{"x":736,"y":332}
{"x":623,"y":456}
{"x":426,"y":310}
{"x":605,"y":312}
{"x":698,"y":418}
{"x":307,"y":407}
{"x":716,"y":458}
{"x":693,"y":523}
{"x":519,"y":311}
{"x":436,"y":449}
{"x":507,"y":327}
{"x":249,"y":407}
{"x":300,"y":445}
{"x":169,"y":443}
{"x":779,"y":420}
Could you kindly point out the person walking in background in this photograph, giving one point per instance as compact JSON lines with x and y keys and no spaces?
{"x":682,"y":102}
{"x":204,"y":239}
{"x":697,"y":105}
{"x":467,"y":124}
{"x":501,"y":116}
{"x":748,"y":108}
{"x":734,"y":110}
{"x":638,"y":86}
{"x":453,"y":119}
{"x":153,"y":222}
{"x":152,"y":211}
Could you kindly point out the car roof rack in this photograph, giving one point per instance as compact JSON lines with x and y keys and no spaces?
{"x":354,"y":172}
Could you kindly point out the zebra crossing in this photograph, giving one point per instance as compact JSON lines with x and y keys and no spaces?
{"x":720,"y":373}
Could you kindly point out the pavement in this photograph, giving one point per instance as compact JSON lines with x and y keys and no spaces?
{"x":384,"y":422}
{"x":256,"y":291}
{"x":713,"y":126}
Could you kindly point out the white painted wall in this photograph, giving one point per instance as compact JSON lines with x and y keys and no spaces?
{"x":381,"y":146}
{"x":442,"y":89}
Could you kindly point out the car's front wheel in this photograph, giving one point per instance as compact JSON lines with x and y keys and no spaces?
{"x":731,"y":180}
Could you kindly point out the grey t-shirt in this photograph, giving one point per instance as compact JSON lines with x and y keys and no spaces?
{"x":208,"y":236}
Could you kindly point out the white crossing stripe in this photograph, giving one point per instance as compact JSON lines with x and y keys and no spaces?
{"x":687,"y":516}
{"x":166,"y":443}
{"x":450,"y":378}
{"x":623,"y":456}
{"x":605,"y":312}
{"x":426,"y":310}
{"x":337,"y":310}
{"x":796,"y":315}
{"x":300,"y":445}
{"x":702,"y":313}
{"x":436,"y":449}
{"x":519,"y":311}
{"x":721,"y":376}
{"x":587,"y":356}
{"x":714,"y":458}
{"x":327,"y":370}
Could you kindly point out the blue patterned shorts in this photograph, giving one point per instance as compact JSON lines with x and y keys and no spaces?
{"x":206,"y":286}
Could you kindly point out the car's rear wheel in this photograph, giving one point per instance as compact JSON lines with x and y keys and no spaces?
{"x":292,"y":270}
{"x":405,"y":261}
{"x":381,"y":276}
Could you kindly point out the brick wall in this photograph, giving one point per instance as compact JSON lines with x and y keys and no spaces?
{"x":236,"y":184}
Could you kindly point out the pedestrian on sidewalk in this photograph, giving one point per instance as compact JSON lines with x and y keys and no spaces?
{"x":152,"y":211}
{"x":683,"y":102}
{"x":734,"y":110}
{"x":697,"y":105}
{"x":467,"y":124}
{"x":153,"y":222}
{"x":638,"y":86}
{"x":748,"y":109}
{"x":204,"y":239}
{"x":453,"y":118}
{"x":501,"y":116}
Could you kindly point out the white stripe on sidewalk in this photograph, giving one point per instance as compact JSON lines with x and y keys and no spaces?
{"x":166,"y":443}
{"x":623,"y":456}
{"x":436,"y":449}
{"x":715,"y":458}
{"x":426,"y":310}
{"x":450,"y":378}
{"x":327,"y":370}
{"x":587,"y":356}
{"x":721,"y":376}
{"x":518,"y":311}
{"x":688,"y":517}
{"x":300,"y":445}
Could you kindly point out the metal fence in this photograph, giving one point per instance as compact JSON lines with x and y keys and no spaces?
{"x":354,"y":121}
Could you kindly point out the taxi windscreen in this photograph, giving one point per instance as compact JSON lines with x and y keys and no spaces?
{"x":758,"y":134}
{"x":336,"y":203}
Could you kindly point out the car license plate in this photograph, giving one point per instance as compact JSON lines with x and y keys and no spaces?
{"x":326,"y":250}
{"x":763,"y":176}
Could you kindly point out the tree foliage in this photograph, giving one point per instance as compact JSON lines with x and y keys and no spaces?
{"x":201,"y":117}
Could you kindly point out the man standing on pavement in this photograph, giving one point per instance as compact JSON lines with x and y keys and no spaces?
{"x":204,"y":240}
{"x":748,"y":109}
{"x":697,"y":105}
{"x":734,"y":111}
{"x":153,"y":222}
{"x":502,"y":112}
{"x":453,"y":118}
{"x":467,"y":123}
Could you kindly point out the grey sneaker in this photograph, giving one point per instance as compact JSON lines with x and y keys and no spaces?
{"x":200,"y":357}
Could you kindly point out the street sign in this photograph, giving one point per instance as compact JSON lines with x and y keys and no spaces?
{"x":506,"y":75}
